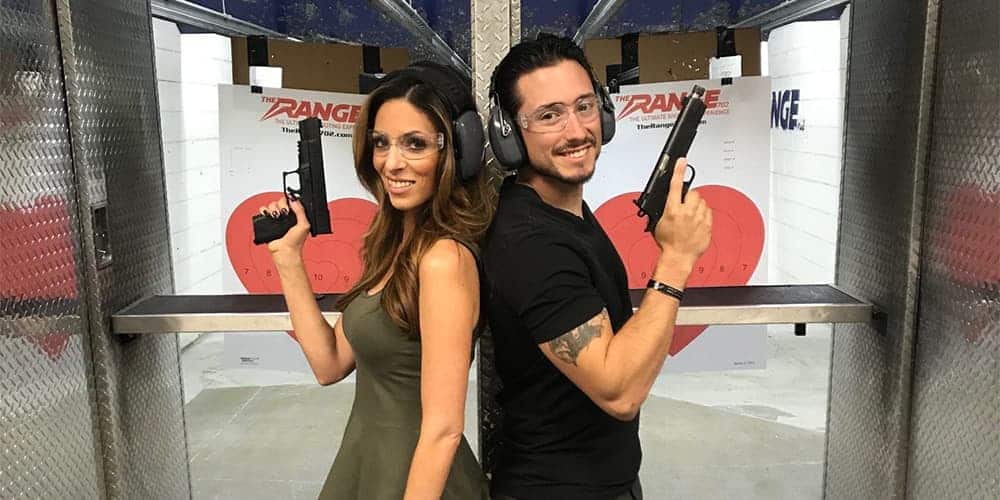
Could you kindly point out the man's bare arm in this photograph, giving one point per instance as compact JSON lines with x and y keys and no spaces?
{"x":616,"y":371}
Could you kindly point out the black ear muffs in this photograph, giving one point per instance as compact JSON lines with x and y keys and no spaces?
{"x":505,"y":133}
{"x":468,"y":141}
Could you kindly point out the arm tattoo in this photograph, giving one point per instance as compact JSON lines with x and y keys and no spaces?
{"x":568,"y":346}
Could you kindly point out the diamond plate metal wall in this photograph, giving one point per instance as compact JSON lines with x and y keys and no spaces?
{"x":47,"y":436}
{"x":496,"y":26}
{"x":890,"y":75}
{"x":955,"y":436}
{"x":114,"y":119}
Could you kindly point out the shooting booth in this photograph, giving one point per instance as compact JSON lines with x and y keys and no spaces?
{"x":841,"y":337}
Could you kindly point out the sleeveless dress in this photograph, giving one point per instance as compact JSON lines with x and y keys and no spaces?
{"x":374,"y":457}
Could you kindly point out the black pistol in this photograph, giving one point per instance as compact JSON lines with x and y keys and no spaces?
{"x":653,"y":198}
{"x":311,"y":192}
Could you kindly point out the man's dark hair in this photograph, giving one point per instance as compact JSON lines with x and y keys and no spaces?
{"x":544,"y":51}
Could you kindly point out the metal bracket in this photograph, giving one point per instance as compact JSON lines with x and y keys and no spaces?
{"x":880,"y":320}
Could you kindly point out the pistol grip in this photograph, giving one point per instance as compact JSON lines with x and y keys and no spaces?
{"x":267,"y":228}
{"x":656,"y":208}
{"x":652,"y":220}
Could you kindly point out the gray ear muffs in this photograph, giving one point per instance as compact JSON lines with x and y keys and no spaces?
{"x":505,"y":138}
{"x":469,"y":144}
{"x":607,"y":113}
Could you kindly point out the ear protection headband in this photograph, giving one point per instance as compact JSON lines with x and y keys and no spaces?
{"x":505,"y":134}
{"x":467,"y":127}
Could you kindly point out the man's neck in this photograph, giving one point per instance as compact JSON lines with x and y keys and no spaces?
{"x":568,"y":197}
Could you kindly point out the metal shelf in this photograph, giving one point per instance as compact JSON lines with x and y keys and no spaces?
{"x":768,"y":305}
{"x":737,"y":305}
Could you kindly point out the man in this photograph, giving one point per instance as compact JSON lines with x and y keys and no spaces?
{"x":574,"y":362}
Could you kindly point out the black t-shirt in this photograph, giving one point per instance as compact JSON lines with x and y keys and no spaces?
{"x":547,"y":271}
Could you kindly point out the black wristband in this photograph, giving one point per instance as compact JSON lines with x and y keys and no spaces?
{"x":665,"y":289}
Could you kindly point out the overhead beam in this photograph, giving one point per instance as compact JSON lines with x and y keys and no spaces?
{"x":404,"y":14}
{"x":787,"y":12}
{"x":602,"y":12}
{"x":181,"y":11}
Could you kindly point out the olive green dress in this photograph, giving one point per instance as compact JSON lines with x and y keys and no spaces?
{"x":374,"y":458}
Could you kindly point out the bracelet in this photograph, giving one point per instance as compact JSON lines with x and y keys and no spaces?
{"x":665,"y":289}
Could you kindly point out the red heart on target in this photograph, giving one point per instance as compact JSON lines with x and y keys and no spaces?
{"x":333,"y":261}
{"x":731,"y":258}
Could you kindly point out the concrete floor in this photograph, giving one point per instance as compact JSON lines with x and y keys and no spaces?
{"x":263,"y":434}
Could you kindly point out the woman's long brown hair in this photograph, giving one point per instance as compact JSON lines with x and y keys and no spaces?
{"x":456,"y":210}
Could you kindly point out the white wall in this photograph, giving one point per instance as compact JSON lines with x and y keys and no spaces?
{"x":806,"y":161}
{"x":189,"y":67}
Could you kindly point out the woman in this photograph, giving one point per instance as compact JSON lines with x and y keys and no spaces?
{"x":408,"y":324}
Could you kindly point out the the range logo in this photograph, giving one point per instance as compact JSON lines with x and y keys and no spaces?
{"x":640,"y":106}
{"x":294,"y":109}
{"x":785,"y":110}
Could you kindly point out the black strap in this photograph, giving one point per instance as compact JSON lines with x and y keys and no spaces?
{"x":665,"y":289}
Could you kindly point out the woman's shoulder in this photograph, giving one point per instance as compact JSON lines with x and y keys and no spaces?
{"x":447,"y":256}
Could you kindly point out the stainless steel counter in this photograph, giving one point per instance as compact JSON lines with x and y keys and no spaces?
{"x":756,"y":304}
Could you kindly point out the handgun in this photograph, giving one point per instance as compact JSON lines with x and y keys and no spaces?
{"x":653,"y":198}
{"x":311,"y":192}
